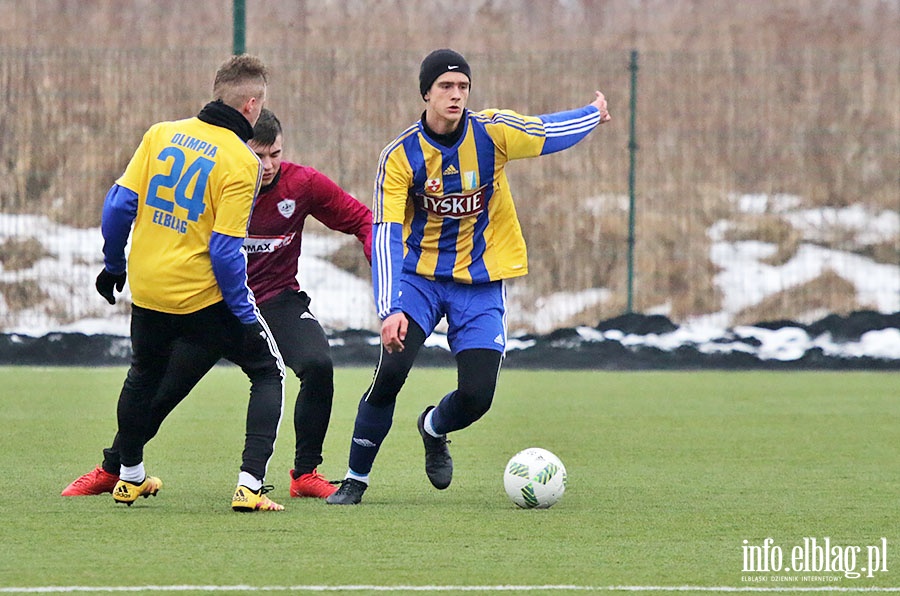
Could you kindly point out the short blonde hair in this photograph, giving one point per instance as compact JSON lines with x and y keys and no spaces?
{"x":240,"y":78}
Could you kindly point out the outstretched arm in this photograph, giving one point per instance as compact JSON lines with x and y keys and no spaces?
{"x":340,"y":211}
{"x":521,"y":136}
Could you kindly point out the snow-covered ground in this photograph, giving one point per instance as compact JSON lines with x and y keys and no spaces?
{"x":746,"y":279}
{"x":341,"y":301}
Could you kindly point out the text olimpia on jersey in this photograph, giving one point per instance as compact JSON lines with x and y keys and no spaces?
{"x":192,"y":178}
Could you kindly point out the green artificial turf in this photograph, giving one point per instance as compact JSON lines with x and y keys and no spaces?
{"x":669,"y":473}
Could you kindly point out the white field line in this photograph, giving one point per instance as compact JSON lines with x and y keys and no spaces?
{"x":399,"y":588}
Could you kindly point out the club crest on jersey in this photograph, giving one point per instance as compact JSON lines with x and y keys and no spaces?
{"x":286,"y":207}
{"x":455,"y":206}
{"x":433,"y":185}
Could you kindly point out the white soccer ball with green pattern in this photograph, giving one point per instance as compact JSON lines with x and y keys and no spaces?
{"x":534,"y":478}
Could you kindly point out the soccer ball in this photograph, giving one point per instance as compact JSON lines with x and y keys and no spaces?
{"x":534,"y":478}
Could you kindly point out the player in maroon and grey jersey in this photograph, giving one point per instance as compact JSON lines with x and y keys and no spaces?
{"x":290,"y":193}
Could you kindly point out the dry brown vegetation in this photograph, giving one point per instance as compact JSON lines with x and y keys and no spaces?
{"x":767,"y":228}
{"x":797,"y":97}
{"x":22,"y":294}
{"x":827,"y":293}
{"x":21,"y":253}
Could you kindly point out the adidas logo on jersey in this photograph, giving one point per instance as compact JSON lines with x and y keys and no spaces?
{"x":499,"y":339}
{"x":450,"y":170}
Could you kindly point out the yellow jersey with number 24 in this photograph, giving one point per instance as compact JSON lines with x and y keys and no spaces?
{"x":192,"y":179}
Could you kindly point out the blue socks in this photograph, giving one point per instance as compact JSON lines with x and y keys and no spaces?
{"x":372,"y":426}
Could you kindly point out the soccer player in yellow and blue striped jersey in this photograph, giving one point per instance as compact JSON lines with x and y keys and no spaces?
{"x":187,"y":192}
{"x":445,"y":237}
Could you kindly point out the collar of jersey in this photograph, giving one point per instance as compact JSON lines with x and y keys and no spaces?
{"x":218,"y":113}
{"x":448,"y":141}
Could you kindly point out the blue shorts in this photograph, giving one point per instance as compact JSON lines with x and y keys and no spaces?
{"x":476,"y":314}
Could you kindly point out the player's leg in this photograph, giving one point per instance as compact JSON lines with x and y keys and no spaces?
{"x":477,"y":371}
{"x":187,"y":365}
{"x":477,"y":375}
{"x":151,"y":336}
{"x":259,"y":358}
{"x":477,"y":337}
{"x":304,"y":348}
{"x":376,"y":407}
{"x":375,"y":414}
{"x":152,"y":333}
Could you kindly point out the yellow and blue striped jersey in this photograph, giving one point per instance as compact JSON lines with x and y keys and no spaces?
{"x":447,"y":213}
{"x":191,"y":178}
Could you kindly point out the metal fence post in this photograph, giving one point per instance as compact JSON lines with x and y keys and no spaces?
{"x":239,"y":16}
{"x":632,"y":150}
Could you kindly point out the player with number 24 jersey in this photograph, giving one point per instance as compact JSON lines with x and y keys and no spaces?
{"x":183,"y":204}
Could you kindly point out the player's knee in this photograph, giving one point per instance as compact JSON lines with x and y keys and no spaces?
{"x":384,"y":388}
{"x":475,"y":404}
{"x":317,"y":369}
{"x":390,"y":377}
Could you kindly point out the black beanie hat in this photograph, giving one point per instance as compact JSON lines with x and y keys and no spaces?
{"x":437,"y":63}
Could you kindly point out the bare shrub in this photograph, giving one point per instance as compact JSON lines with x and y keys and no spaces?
{"x":829,"y":293}
{"x":21,"y":253}
{"x":22,"y":295}
{"x":767,"y":228}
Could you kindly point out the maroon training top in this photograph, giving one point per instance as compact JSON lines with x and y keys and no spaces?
{"x":276,"y":225}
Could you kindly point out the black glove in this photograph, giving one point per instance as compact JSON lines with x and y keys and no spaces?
{"x":105,"y":283}
{"x":255,"y":340}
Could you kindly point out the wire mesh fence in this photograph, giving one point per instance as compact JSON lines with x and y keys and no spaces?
{"x":767,"y":184}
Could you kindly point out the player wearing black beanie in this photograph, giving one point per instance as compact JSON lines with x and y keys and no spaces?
{"x":445,"y":238}
{"x":437,"y":63}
